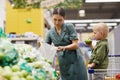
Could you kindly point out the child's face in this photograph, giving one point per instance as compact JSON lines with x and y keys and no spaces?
{"x":97,"y":34}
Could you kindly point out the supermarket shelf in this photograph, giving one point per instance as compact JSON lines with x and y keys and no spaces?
{"x":30,"y":41}
{"x":23,"y":39}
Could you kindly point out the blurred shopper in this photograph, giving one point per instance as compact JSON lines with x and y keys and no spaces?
{"x":99,"y":57}
{"x":64,"y":36}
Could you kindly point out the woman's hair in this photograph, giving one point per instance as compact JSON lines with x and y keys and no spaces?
{"x":102,"y":27}
{"x":59,"y":11}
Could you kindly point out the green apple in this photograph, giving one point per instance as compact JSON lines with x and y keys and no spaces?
{"x":50,"y":62}
{"x":2,"y":54}
{"x":22,"y":79}
{"x":29,"y":77}
{"x":24,"y":73}
{"x":15,"y":68}
{"x":15,"y":78}
{"x":7,"y":68}
{"x":1,"y":71}
{"x":18,"y":73}
{"x":37,"y":65}
{"x":88,"y":41}
{"x":30,"y":59}
{"x":7,"y":74}
{"x":40,"y":77}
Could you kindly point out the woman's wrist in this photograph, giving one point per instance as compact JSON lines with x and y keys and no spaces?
{"x":63,"y":48}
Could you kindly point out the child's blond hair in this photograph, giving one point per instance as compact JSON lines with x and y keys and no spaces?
{"x":102,"y":27}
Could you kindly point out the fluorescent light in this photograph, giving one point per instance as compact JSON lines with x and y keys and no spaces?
{"x":89,"y":27}
{"x":92,"y":1}
{"x":109,"y":24}
{"x":78,"y":21}
{"x":83,"y":28}
{"x":92,"y":24}
{"x":81,"y":25}
{"x":92,"y":21}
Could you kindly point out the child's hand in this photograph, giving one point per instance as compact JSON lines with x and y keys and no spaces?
{"x":89,"y":44}
{"x":91,"y":65}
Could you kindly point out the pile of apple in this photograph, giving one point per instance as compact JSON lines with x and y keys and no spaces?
{"x":32,"y":57}
{"x":38,"y":72}
{"x":14,"y":73}
{"x":41,"y":68}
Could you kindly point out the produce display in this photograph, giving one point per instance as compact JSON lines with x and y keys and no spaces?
{"x":23,"y":62}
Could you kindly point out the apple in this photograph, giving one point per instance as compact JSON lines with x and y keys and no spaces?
{"x":50,"y":62}
{"x":29,"y":77}
{"x":15,"y":68}
{"x":30,"y":59}
{"x":88,"y":41}
{"x":18,"y":73}
{"x":40,"y":77}
{"x":1,"y":69}
{"x":15,"y":78}
{"x":37,"y":65}
{"x":7,"y":74}
{"x":22,"y":79}
{"x":7,"y":68}
{"x":2,"y":54}
{"x":24,"y":73}
{"x":117,"y":76}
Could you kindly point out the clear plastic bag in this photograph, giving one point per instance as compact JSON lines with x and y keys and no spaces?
{"x":47,"y":51}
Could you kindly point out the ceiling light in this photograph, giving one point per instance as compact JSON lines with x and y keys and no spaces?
{"x":82,"y":13}
{"x":80,"y":24}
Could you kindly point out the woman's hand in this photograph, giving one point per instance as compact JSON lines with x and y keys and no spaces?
{"x":60,"y":48}
{"x":72,"y":46}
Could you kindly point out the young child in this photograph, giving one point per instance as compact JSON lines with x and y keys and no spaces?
{"x":99,"y":57}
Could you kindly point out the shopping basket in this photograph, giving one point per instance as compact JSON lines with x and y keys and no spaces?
{"x":103,"y":74}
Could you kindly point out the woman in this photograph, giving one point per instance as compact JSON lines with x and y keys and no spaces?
{"x":64,"y":37}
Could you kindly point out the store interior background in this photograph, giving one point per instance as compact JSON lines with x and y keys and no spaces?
{"x":93,"y":12}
